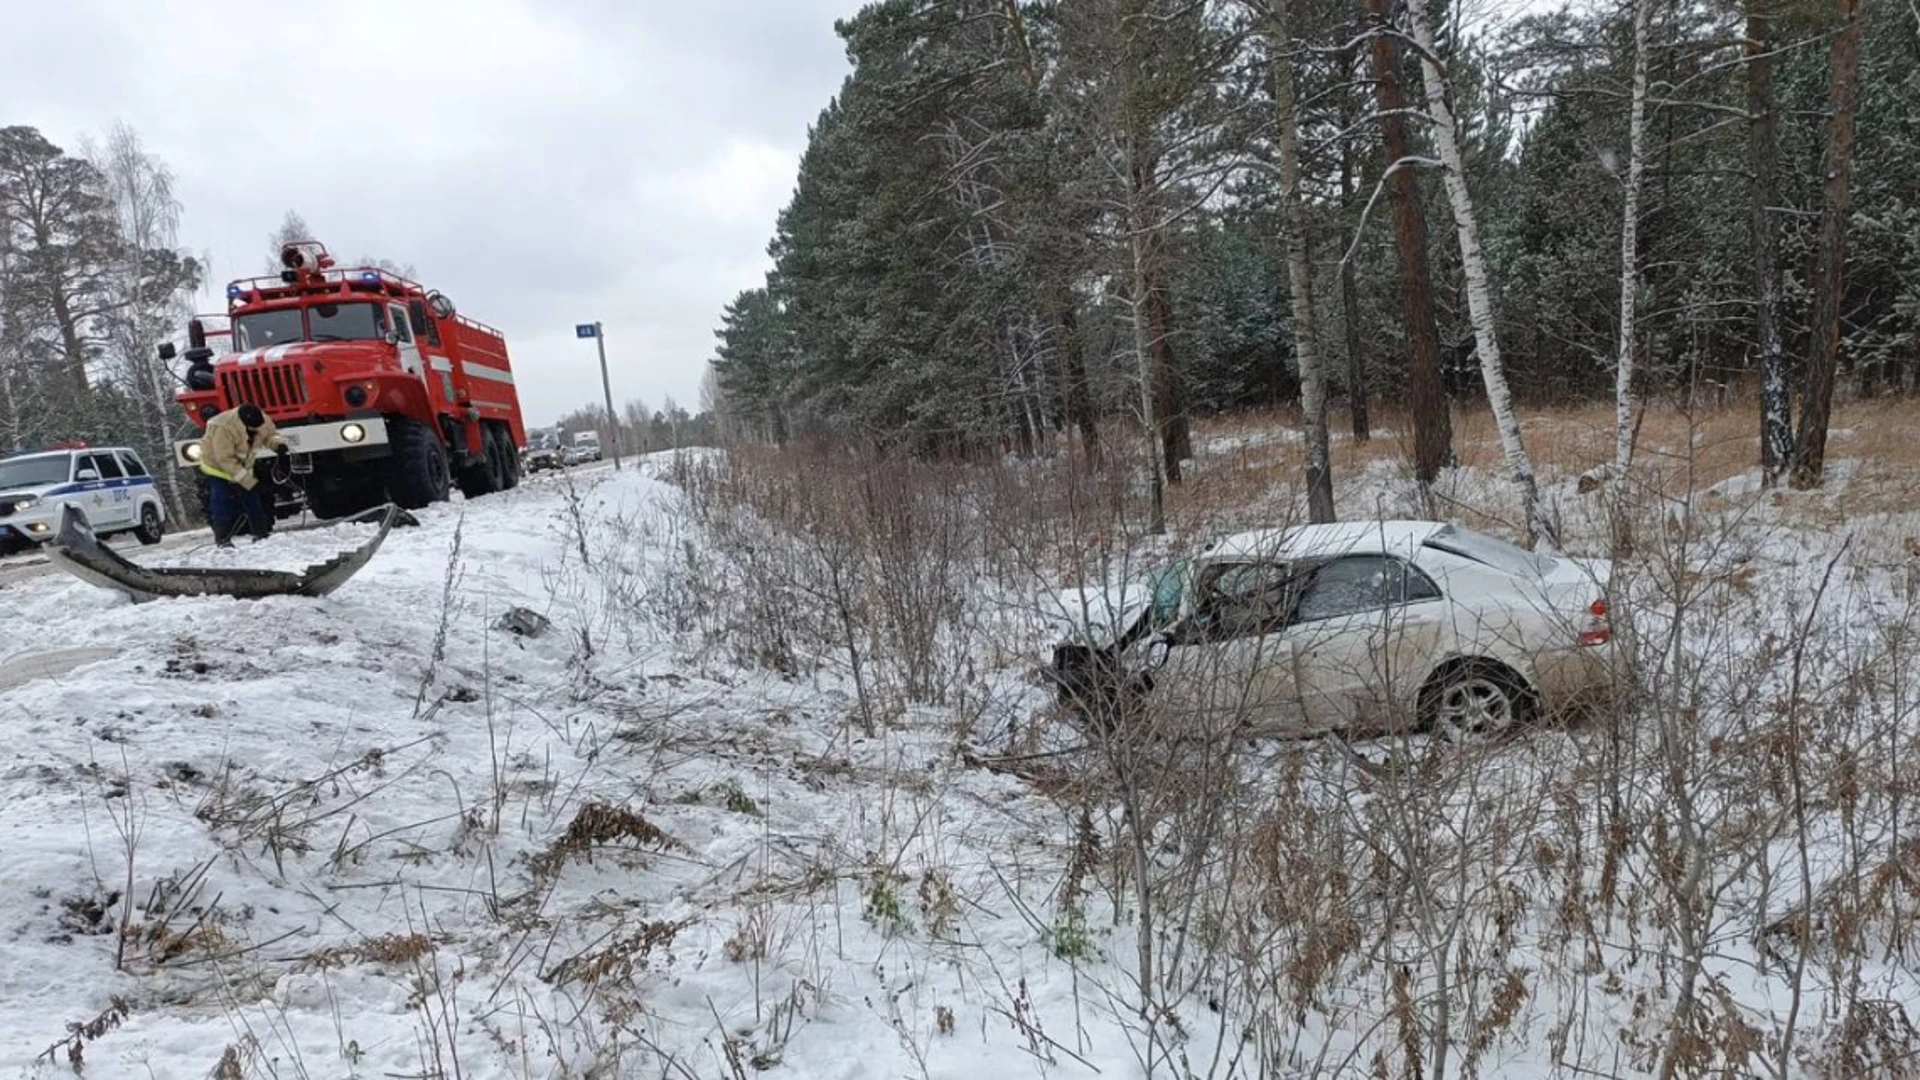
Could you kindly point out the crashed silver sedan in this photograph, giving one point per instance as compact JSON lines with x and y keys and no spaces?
{"x":1365,"y":627}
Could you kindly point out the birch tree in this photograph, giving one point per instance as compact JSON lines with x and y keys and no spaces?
{"x":1479,"y":281}
{"x":1763,"y":147}
{"x":151,"y":279}
{"x":1623,"y":396}
{"x":1313,"y":387}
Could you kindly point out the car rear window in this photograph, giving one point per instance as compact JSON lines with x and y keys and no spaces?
{"x":1481,"y":548}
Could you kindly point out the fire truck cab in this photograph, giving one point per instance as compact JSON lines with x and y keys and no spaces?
{"x":383,"y":392}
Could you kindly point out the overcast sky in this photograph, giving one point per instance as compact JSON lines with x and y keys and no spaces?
{"x":543,"y":163}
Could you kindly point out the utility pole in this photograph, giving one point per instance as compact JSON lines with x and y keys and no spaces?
{"x":599,"y":336}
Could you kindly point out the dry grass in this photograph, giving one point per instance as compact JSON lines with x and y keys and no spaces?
{"x":391,"y":950}
{"x":599,"y":825}
{"x":1678,"y":452}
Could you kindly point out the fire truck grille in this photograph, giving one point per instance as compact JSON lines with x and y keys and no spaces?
{"x":273,"y":387}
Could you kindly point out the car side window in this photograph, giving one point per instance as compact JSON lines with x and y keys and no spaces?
{"x":132,"y":464}
{"x":1416,"y":585}
{"x":106,"y":466}
{"x":402,"y":326}
{"x":1242,"y":599}
{"x":1357,"y":583}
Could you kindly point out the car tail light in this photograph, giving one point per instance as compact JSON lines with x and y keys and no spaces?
{"x":1598,"y":630}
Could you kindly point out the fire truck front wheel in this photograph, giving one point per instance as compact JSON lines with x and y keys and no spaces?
{"x":418,"y":466}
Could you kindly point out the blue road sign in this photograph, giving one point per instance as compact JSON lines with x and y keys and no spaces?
{"x":586,"y":329}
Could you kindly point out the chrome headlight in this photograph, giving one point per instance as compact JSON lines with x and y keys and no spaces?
{"x":27,"y":503}
{"x":352,"y":433}
{"x":193,"y":452}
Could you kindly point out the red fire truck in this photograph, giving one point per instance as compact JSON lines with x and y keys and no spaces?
{"x":383,"y":392}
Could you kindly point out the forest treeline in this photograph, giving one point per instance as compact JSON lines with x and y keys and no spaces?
{"x":1018,"y":219}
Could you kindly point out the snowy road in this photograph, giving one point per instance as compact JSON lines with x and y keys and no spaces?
{"x":29,"y":565}
{"x":32,"y":564}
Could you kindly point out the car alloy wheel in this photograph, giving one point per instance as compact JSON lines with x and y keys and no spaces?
{"x":1475,"y":705}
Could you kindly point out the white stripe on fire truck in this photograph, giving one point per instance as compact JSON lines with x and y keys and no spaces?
{"x":495,"y":374}
{"x":441,"y":363}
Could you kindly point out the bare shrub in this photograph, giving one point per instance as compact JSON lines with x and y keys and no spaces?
{"x":596,"y":825}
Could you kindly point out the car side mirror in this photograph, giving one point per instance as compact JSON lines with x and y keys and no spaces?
{"x":85,"y":475}
{"x":391,"y":337}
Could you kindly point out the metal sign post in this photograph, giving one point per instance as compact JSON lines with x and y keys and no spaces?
{"x":599,"y":335}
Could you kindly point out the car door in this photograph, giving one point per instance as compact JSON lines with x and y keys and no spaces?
{"x":140,"y":483}
{"x":116,"y":494}
{"x":1227,"y":666}
{"x":401,"y":329}
{"x":1365,"y":632}
{"x":90,"y":493}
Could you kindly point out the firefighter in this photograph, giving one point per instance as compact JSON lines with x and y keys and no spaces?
{"x":226,"y":457}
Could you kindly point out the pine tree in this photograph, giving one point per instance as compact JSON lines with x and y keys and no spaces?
{"x":1829,"y":280}
{"x":1432,"y":420}
{"x":64,"y":242}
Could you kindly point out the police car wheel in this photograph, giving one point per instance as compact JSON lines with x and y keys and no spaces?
{"x":151,"y":528}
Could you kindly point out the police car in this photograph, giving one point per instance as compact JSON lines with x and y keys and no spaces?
{"x":110,"y":486}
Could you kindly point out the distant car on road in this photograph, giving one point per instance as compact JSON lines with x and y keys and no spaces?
{"x":543,"y":458}
{"x":110,"y":487}
{"x":580,"y":455}
{"x":1366,"y":627}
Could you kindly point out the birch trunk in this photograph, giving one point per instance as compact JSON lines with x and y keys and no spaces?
{"x":1479,"y":283}
{"x":1776,"y":423}
{"x":148,"y":214}
{"x":1623,"y":399}
{"x":1829,"y":279}
{"x":1313,"y":389}
{"x":1144,"y":355}
{"x":1432,"y":420}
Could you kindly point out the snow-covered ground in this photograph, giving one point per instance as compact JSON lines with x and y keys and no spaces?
{"x":346,"y":821}
{"x":377,"y":835}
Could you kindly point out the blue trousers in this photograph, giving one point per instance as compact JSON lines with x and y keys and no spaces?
{"x":227,"y":502}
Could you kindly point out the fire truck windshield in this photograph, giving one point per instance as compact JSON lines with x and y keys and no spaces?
{"x":321,"y":322}
{"x":347,"y":322}
{"x":263,"y":328}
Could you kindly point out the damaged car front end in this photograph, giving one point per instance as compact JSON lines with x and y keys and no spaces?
{"x":1097,"y":628}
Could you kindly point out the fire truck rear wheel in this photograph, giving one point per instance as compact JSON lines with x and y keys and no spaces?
{"x":483,"y":477}
{"x":509,"y":458}
{"x":417,"y":473}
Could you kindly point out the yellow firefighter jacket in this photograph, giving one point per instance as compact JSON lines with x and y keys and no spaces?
{"x":226,"y":451}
